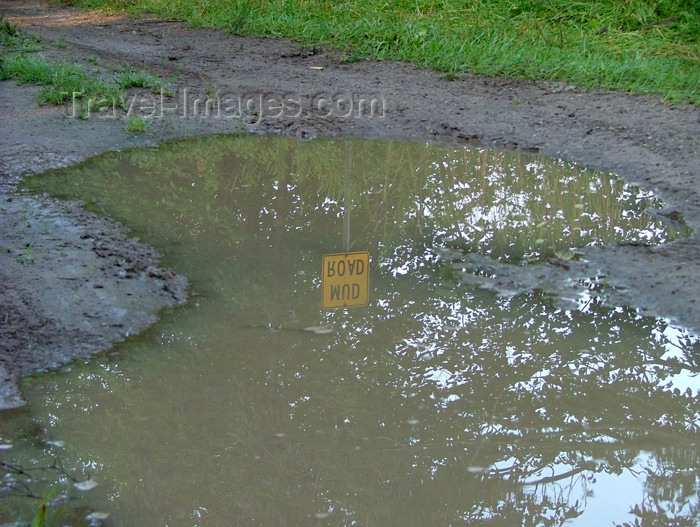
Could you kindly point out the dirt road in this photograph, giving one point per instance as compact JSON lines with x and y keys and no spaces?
{"x":72,"y":284}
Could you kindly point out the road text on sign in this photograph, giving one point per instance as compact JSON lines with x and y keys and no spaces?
{"x":345,"y":279}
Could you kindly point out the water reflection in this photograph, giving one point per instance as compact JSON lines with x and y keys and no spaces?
{"x":436,"y":405}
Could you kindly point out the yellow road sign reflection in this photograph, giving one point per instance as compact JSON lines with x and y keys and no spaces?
{"x":345,"y":279}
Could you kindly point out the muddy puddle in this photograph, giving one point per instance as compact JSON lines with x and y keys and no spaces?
{"x":437,"y":404}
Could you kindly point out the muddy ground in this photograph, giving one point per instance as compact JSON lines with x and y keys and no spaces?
{"x":72,"y":284}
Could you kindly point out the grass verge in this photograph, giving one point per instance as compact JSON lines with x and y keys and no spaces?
{"x":642,"y":46}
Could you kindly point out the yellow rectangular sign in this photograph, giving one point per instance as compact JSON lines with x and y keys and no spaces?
{"x":345,"y":279}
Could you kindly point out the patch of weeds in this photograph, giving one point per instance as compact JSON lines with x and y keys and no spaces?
{"x":60,"y":80}
{"x":12,"y":39}
{"x":210,"y":88}
{"x":41,"y":515}
{"x":136,"y":124}
{"x":27,"y":70}
{"x":131,"y":78}
{"x":46,"y":485}
{"x":63,"y":82}
{"x":8,"y":28}
{"x":26,"y":258}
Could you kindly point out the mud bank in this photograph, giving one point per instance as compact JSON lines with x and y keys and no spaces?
{"x":73,"y":284}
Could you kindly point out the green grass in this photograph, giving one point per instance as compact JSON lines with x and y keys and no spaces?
{"x":26,"y":258}
{"x":136,"y":124}
{"x":59,"y":80}
{"x":131,"y":78}
{"x":643,"y":46}
{"x":14,"y":40}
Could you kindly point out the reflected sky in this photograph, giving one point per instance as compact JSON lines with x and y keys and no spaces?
{"x":438,"y":404}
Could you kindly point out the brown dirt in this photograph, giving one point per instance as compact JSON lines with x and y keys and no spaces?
{"x":90,"y":286}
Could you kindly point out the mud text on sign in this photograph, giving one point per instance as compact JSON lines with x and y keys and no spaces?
{"x":345,"y":279}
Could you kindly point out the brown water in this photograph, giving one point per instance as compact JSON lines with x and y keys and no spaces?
{"x":437,"y":404}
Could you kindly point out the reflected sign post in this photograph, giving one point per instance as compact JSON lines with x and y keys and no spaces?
{"x":345,"y":276}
